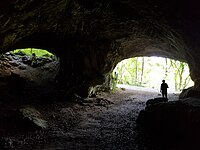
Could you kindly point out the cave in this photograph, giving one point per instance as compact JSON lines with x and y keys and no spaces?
{"x":90,"y":38}
{"x":27,"y":73}
{"x":148,"y":72}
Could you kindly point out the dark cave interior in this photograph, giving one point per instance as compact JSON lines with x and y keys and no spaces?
{"x":90,"y":38}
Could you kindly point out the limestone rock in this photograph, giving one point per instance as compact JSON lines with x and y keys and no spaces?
{"x":156,"y":100}
{"x":22,"y":67}
{"x":174,"y":122}
{"x":9,"y":57}
{"x":190,"y":92}
{"x":34,"y":116}
{"x":14,"y":63}
{"x":91,"y":37}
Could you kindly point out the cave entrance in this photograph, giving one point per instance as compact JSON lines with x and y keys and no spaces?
{"x":28,"y":72}
{"x":148,"y":72}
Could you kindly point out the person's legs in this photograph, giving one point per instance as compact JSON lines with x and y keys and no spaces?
{"x":166,"y":94}
{"x":163,"y":94}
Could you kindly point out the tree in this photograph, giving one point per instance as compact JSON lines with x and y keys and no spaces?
{"x":142,"y":71}
{"x":136,"y":71}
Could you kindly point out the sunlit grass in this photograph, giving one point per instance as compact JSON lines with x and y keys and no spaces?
{"x":30,"y":51}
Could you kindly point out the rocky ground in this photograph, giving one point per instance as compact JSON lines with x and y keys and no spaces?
{"x":92,"y":125}
{"x":107,"y":121}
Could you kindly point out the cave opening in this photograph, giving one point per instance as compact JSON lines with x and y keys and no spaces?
{"x":27,"y":74}
{"x":90,"y":37}
{"x":148,"y":72}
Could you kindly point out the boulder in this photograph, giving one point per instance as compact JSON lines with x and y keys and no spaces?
{"x":91,"y":37}
{"x":189,"y":92}
{"x":25,"y":119}
{"x":30,"y":114}
{"x":14,"y":63}
{"x":156,"y":100}
{"x":173,"y":123}
{"x":22,"y":67}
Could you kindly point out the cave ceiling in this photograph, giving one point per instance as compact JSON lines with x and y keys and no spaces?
{"x":134,"y":23}
{"x":109,"y":29}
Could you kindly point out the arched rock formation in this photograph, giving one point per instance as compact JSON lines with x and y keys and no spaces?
{"x":91,"y":37}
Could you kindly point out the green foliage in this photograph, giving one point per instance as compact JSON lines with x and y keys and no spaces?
{"x":150,"y":71}
{"x":30,"y":51}
{"x":114,"y":78}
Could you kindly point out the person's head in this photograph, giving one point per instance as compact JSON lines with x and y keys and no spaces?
{"x":163,"y":81}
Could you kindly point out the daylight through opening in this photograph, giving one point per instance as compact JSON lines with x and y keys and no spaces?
{"x":149,"y":72}
{"x":29,"y":70}
{"x":31,"y":56}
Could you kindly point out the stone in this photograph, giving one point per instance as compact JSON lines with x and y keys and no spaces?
{"x":34,"y":116}
{"x":15,"y":57}
{"x":5,"y":59}
{"x":99,"y":34}
{"x":14,"y":63}
{"x":174,"y":122}
{"x":16,"y":84}
{"x":190,"y":92}
{"x":7,"y":53}
{"x":156,"y":100}
{"x":26,"y":60}
{"x":191,"y":101}
{"x":9,"y":58}
{"x":22,"y":67}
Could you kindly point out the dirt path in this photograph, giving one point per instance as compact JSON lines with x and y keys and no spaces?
{"x":76,"y":127}
{"x":72,"y":126}
{"x":98,"y":127}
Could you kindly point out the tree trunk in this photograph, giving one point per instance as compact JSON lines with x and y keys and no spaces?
{"x":142,"y":71}
{"x":136,"y":70}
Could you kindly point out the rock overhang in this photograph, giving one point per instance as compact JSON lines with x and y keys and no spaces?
{"x":91,"y":37}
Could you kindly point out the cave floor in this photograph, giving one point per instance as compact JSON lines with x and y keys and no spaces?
{"x":88,"y":125}
{"x":107,"y":121}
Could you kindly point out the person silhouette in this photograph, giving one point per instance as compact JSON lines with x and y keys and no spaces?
{"x":163,"y":89}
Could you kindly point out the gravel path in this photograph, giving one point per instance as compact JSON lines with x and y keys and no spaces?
{"x":110,"y":127}
{"x":90,"y":126}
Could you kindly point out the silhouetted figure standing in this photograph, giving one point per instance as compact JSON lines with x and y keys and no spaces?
{"x":163,"y":89}
{"x":33,"y":60}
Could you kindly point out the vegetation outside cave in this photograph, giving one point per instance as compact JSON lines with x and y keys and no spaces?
{"x":33,"y":70}
{"x":150,"y":71}
{"x":32,"y":56}
{"x":30,"y":51}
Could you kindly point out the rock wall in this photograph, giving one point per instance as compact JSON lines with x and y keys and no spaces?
{"x":91,"y":37}
{"x":173,"y":124}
